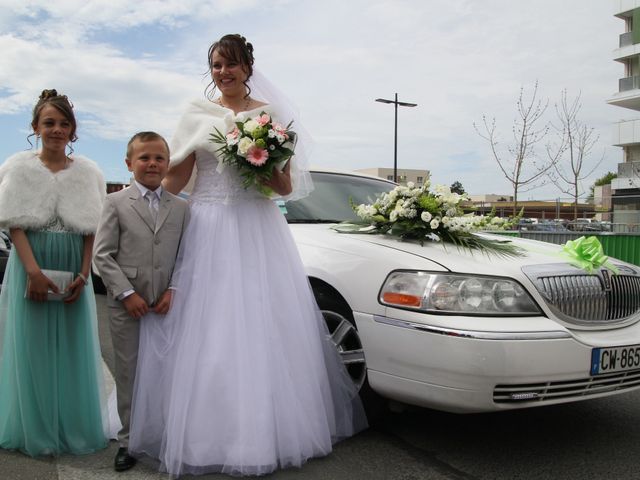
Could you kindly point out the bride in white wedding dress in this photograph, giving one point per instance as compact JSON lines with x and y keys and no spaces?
{"x":240,"y":376}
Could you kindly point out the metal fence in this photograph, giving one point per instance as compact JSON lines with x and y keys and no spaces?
{"x":623,"y":246}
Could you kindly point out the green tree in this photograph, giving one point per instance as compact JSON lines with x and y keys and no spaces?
{"x":456,"y":187}
{"x":604,"y":180}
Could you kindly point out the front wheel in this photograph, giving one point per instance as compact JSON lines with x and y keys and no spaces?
{"x":347,"y":341}
{"x":345,"y":337}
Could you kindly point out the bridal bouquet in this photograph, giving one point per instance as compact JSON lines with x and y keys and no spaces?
{"x":255,"y":146}
{"x":415,"y":213}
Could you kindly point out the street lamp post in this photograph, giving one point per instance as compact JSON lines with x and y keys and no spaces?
{"x":395,"y":130}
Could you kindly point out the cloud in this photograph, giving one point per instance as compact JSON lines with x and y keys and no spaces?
{"x":87,"y":16}
{"x":121,"y":94}
{"x":131,"y":65}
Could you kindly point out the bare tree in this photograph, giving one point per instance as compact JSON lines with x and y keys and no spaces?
{"x":575,"y":142}
{"x":518,"y":160}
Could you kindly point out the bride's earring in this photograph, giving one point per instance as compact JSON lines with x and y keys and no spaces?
{"x":37,"y":141}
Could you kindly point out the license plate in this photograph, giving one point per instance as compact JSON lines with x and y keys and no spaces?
{"x":615,"y":359}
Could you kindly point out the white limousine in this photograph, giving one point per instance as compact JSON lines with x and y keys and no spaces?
{"x":489,"y":333}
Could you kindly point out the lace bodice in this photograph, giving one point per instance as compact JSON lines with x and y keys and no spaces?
{"x":55,"y":224}
{"x":225,"y":187}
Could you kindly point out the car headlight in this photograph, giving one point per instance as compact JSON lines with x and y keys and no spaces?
{"x":456,"y":294}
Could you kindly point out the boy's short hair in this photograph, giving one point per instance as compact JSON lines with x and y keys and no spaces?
{"x":145,"y":137}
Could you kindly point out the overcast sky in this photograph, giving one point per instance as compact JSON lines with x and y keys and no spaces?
{"x":131,"y":65}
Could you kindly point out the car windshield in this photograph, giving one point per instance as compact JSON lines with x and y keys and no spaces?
{"x":329,"y":201}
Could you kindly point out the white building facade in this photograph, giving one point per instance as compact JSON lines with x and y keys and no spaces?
{"x":626,"y":133}
{"x":405,"y":175}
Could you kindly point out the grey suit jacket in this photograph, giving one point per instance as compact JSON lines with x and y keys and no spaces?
{"x":130,"y":252}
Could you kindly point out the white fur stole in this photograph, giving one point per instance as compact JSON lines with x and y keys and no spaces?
{"x":196,"y":125}
{"x":31,"y":195}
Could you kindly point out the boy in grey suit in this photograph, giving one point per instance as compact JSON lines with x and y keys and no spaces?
{"x":135,"y":251}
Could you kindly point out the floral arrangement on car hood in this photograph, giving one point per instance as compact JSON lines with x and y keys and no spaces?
{"x":415,"y":213}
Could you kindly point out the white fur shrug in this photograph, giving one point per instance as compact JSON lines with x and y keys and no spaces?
{"x":195,"y":127}
{"x":31,"y":195}
{"x":194,"y":130}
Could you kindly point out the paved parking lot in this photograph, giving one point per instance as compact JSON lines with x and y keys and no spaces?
{"x":362,"y":457}
{"x":595,"y":439}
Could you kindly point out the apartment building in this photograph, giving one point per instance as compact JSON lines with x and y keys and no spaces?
{"x":626,"y":133}
{"x":404,"y":174}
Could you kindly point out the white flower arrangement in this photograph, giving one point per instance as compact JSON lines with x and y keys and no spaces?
{"x":415,"y":213}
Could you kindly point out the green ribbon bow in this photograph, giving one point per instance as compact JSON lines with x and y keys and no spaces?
{"x":587,"y":253}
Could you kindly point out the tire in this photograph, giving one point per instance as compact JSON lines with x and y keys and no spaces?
{"x":345,"y":337}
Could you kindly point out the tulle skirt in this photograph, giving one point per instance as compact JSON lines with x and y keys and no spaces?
{"x":51,"y":387}
{"x":240,"y":376}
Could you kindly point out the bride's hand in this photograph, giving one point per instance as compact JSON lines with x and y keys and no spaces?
{"x":164,"y":303}
{"x":280,"y":181}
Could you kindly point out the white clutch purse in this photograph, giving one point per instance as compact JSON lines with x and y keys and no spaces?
{"x":62,"y":279}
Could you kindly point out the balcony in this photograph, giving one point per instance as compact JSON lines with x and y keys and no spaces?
{"x":628,"y":83}
{"x":625,"y":183}
{"x":626,"y":133}
{"x":624,"y":8}
{"x":626,"y":39}
{"x":628,"y":95}
{"x":629,"y":170}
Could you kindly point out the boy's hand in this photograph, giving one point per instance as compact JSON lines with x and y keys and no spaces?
{"x":135,"y":305}
{"x":164,"y":302}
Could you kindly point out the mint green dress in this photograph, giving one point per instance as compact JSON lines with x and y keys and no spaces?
{"x":51,"y":398}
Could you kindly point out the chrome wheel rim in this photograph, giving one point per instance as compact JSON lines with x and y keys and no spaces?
{"x":345,"y":337}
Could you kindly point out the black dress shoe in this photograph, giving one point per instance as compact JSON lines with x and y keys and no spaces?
{"x":123,"y":460}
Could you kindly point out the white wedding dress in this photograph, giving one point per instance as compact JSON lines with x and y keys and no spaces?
{"x":240,"y":376}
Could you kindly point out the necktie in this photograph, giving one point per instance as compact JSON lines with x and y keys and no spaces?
{"x":152,"y":199}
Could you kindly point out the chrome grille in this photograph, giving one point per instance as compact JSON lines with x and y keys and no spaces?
{"x":591,"y":299}
{"x":584,"y":387}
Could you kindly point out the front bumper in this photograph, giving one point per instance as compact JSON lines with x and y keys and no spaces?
{"x":466,"y":370}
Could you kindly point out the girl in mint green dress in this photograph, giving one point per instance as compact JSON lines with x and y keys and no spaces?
{"x":51,"y":384}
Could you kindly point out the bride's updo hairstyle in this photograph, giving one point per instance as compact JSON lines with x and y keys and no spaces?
{"x":232,"y":47}
{"x":61,"y":103}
